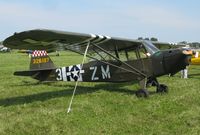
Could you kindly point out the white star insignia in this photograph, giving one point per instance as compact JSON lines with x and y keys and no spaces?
{"x":75,"y":73}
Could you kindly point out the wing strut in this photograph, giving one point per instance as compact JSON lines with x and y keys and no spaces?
{"x":134,"y":69}
{"x":84,"y":57}
{"x":104,"y":62}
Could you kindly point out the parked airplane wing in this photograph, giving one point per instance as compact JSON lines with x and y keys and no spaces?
{"x":52,"y":40}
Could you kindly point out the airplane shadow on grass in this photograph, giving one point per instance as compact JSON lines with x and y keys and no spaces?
{"x":20,"y":100}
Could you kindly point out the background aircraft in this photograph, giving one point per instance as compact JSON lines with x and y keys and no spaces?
{"x":195,"y":60}
{"x":4,"y":49}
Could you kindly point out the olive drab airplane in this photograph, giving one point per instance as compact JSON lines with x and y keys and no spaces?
{"x":113,"y":59}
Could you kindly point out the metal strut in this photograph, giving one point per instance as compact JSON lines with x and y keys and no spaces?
{"x":84,"y":57}
{"x":136,"y":70}
{"x":103,"y":61}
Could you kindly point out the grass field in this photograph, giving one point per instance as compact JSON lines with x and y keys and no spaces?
{"x":29,"y":108}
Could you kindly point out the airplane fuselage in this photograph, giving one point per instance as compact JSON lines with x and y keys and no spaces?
{"x":161,"y":63}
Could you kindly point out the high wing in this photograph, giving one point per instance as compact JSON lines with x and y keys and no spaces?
{"x":51,"y":40}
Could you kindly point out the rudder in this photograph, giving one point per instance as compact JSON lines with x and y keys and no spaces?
{"x":40,"y":60}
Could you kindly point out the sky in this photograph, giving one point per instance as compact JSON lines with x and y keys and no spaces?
{"x":167,"y":20}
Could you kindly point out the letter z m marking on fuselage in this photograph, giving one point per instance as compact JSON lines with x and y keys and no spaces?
{"x":104,"y":72}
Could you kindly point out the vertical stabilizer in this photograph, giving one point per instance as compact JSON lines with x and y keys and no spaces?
{"x":40,"y":61}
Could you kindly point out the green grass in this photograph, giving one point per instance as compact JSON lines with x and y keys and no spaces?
{"x":29,"y":108}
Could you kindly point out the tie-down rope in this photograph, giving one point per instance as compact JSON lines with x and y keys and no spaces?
{"x":84,"y":57}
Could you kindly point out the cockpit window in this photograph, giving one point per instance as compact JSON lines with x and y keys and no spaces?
{"x":133,"y":54}
{"x":142,"y":52}
{"x":145,"y":50}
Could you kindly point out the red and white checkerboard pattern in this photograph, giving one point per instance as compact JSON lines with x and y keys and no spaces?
{"x":38,"y":53}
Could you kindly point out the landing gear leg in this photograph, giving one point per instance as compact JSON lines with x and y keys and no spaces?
{"x":161,"y":88}
{"x":143,"y":92}
{"x":151,"y":81}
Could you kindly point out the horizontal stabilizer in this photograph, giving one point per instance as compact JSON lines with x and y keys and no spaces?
{"x":25,"y":73}
{"x":41,"y":75}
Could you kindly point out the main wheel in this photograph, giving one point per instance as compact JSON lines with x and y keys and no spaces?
{"x":142,"y":93}
{"x":162,"y":88}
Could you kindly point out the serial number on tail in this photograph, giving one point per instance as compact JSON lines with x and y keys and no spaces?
{"x":40,"y":60}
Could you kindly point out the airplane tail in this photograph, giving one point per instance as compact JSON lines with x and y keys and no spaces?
{"x":41,"y":66}
{"x":40,"y":61}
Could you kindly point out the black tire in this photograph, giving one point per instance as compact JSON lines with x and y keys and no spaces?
{"x":162,"y":88}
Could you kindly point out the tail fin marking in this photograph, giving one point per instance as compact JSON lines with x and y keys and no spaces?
{"x":40,"y":60}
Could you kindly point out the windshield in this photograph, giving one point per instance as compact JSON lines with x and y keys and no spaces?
{"x":150,"y":47}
